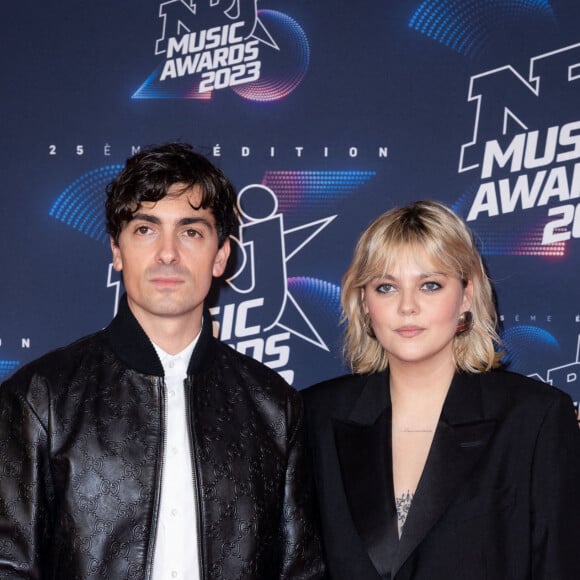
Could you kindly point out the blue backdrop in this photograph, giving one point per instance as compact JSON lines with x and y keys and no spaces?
{"x":324,"y":115}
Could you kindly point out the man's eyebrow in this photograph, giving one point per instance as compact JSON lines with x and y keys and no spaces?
{"x":186,"y":221}
{"x":146,"y":218}
{"x":195,"y":220}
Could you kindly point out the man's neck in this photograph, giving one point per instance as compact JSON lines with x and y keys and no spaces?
{"x":172,"y":334}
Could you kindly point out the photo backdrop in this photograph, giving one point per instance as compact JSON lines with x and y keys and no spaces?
{"x":324,"y":115}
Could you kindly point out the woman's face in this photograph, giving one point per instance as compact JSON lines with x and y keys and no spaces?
{"x":414,"y":310}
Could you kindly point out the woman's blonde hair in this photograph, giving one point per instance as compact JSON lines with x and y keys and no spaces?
{"x":448,"y":242}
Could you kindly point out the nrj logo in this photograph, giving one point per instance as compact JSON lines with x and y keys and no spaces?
{"x":269,"y":313}
{"x":525,"y":148}
{"x":210,"y":45}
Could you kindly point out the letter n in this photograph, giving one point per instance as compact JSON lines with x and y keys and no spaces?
{"x":178,"y":17}
{"x":505,"y":104}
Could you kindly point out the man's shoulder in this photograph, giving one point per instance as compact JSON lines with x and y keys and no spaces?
{"x":251,"y":368}
{"x":62,"y":360}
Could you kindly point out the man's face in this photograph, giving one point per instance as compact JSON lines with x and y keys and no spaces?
{"x":168,"y":254}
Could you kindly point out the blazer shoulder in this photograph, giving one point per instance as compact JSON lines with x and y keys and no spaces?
{"x":340,"y":392}
{"x":503,"y":379}
{"x":332,"y":387}
{"x":521,"y":390}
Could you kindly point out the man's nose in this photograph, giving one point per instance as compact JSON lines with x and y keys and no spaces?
{"x":167,"y":252}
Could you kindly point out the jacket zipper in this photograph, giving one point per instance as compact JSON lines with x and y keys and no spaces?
{"x":159,"y":479}
{"x":194,"y":473}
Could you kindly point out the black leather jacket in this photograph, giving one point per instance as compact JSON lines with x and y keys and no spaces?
{"x":81,"y":440}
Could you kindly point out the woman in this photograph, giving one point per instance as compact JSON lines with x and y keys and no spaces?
{"x":429,"y":464}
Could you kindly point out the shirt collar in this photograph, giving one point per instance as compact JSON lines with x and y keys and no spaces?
{"x":181,"y":358}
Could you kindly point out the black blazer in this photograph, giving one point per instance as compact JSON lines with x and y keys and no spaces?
{"x":499,"y":497}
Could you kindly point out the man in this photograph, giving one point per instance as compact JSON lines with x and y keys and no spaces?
{"x":150,"y":450}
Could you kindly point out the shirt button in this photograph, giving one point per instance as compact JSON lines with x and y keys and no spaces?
{"x":175,"y":451}
{"x":172,"y":393}
{"x":171,"y":364}
{"x":173,"y":512}
{"x":174,"y":574}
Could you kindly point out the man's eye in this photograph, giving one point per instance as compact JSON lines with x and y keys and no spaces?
{"x":142,"y":230}
{"x":190,"y":233}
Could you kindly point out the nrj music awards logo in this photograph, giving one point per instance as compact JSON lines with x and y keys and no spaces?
{"x":210,"y":45}
{"x":525,"y":153}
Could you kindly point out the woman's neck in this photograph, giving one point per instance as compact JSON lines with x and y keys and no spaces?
{"x":417,"y":395}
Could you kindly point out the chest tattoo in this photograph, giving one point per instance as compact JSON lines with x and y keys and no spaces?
{"x":403,"y":504}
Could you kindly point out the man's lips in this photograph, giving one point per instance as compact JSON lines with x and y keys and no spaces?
{"x":169,"y":281}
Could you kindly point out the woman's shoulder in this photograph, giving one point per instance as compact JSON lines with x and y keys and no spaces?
{"x":340,"y":392}
{"x":335,"y":386}
{"x":522,"y":390}
{"x":511,"y":381}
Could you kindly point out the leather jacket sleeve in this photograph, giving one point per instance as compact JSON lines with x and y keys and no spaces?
{"x":25,"y":486}
{"x":302,"y":547}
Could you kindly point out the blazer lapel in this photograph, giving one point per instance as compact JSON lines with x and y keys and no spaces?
{"x":363,"y":443}
{"x":460,"y":439}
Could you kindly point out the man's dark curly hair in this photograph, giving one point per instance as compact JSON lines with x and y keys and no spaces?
{"x":148,"y":175}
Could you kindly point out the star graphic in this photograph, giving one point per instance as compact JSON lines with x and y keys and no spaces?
{"x":261,"y":227}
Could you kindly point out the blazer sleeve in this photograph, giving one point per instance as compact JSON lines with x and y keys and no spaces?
{"x":24,"y":480}
{"x":555,"y":490}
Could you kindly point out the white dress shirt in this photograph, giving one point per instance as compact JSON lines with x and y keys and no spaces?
{"x":176,"y":546}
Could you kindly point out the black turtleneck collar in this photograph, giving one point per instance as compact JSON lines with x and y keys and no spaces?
{"x":130,"y":343}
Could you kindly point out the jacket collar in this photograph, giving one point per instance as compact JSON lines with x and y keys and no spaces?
{"x":461,"y":438}
{"x":364,"y":441}
{"x":363,"y":444}
{"x":130,"y":343}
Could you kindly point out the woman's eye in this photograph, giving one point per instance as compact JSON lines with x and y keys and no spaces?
{"x":385,"y":288}
{"x":431,"y":286}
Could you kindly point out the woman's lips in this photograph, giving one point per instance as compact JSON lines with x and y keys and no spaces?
{"x":409,"y":331}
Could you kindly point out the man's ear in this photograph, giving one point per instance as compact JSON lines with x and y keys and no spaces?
{"x":221,"y":259}
{"x":117,"y":259}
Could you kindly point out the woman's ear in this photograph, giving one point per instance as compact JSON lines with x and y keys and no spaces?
{"x":363,"y":301}
{"x":467,"y":296}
